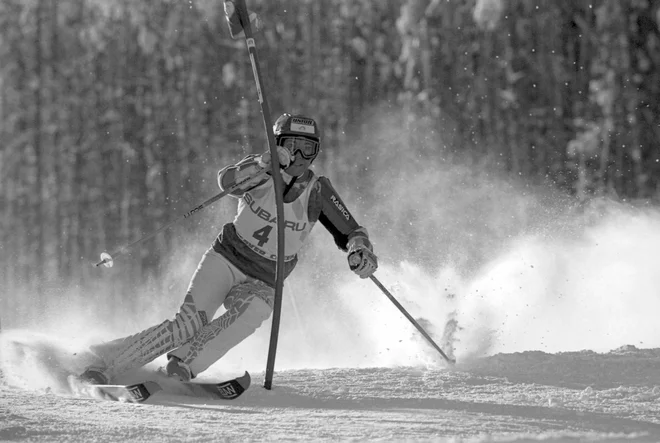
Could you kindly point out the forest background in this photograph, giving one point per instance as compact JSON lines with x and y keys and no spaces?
{"x":116,"y":115}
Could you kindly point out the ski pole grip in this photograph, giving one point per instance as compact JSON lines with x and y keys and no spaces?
{"x":354,"y":259}
{"x":235,"y":16}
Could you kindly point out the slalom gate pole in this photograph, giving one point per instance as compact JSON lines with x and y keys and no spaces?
{"x":244,"y":16}
{"x":107,"y":259}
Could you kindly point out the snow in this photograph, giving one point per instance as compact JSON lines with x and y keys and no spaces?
{"x":522,"y":396}
{"x":557,"y":339}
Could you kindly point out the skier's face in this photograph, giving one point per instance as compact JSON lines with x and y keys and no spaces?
{"x":303,"y":150}
{"x":302,"y":146}
{"x":299,"y":165}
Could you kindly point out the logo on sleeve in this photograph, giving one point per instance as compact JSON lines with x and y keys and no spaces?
{"x":340,"y":207}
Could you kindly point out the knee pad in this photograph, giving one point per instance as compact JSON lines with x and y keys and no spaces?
{"x":248,"y":303}
{"x":249,"y":290}
{"x":251,"y":310}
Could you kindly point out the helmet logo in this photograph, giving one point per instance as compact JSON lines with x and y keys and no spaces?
{"x":304,"y":125}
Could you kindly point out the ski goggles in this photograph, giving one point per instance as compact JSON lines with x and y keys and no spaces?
{"x":307,"y":148}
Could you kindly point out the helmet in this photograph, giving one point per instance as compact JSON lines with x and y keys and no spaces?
{"x":288,"y":128}
{"x":296,"y":125}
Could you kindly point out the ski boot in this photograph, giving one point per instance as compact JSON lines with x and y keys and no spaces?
{"x":94,"y":376}
{"x":177,"y":369}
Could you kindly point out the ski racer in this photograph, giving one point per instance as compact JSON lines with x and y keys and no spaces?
{"x":238,"y":271}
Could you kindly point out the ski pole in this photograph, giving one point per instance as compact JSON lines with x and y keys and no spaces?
{"x":412,"y":320}
{"x":107,"y":258}
{"x":373,"y":278}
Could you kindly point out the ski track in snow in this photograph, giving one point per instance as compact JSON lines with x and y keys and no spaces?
{"x":526,"y":396}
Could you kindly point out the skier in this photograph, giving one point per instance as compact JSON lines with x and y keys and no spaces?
{"x":238,"y":271}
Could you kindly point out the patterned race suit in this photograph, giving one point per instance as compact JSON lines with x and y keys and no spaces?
{"x":238,"y":271}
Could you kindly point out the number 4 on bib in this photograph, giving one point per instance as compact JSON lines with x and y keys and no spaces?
{"x":261,"y":235}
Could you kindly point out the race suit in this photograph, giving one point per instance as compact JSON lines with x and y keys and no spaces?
{"x":315,"y":193}
{"x":238,"y":271}
{"x":249,"y":246}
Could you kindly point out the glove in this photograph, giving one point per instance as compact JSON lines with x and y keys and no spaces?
{"x":234,"y":22}
{"x":283,"y":155}
{"x":362,"y":261}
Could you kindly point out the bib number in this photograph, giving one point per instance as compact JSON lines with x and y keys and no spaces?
{"x":261,"y":235}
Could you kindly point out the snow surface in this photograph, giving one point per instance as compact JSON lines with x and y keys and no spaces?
{"x":525,"y":396}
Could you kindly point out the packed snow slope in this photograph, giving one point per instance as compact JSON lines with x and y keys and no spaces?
{"x":528,"y":396}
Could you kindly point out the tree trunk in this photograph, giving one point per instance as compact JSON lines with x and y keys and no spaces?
{"x":38,"y":246}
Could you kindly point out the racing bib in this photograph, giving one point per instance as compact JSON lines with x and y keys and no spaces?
{"x":256,"y":221}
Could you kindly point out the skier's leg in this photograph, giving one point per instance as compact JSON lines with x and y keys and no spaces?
{"x":208,"y":288}
{"x":248,"y":306}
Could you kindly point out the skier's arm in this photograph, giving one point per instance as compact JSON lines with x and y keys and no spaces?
{"x":247,"y":167}
{"x":349,"y":236}
{"x":250,"y":166}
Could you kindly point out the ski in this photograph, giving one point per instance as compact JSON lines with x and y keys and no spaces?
{"x":225,"y":390}
{"x":139,"y":392}
{"x":136,"y":393}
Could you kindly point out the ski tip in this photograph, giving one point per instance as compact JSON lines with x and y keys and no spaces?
{"x":244,"y":380}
